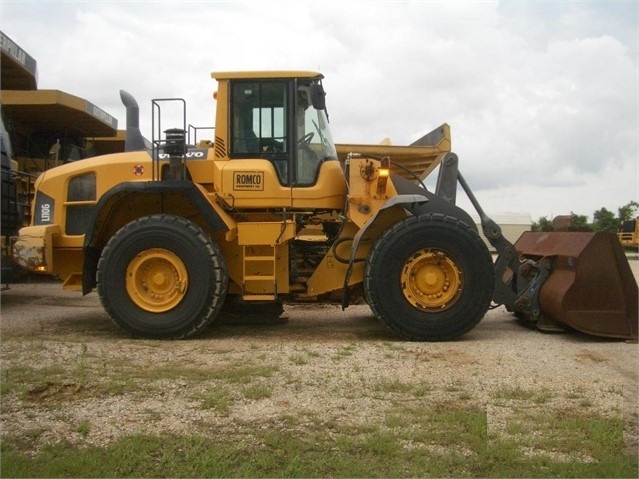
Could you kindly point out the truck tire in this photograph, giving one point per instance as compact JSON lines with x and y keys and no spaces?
{"x":429,"y":278}
{"x":162,"y":276}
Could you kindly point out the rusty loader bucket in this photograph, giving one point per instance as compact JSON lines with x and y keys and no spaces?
{"x":589,"y":285}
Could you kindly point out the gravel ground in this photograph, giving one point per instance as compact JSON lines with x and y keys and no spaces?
{"x":319,"y":361}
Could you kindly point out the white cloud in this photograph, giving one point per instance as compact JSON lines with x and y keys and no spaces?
{"x":541,"y":96}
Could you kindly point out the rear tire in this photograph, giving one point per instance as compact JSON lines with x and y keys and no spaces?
{"x":162,"y":276}
{"x":429,"y":278}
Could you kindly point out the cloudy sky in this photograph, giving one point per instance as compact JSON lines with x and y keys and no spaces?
{"x":541,"y":96}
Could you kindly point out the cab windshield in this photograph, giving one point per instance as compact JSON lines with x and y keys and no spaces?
{"x":314,"y":141}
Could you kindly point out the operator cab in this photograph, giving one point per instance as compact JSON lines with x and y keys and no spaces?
{"x":283,"y":121}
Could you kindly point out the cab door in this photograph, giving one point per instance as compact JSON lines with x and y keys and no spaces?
{"x":259,"y":173}
{"x":281,"y":151}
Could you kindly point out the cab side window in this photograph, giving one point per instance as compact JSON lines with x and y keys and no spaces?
{"x":259,"y":123}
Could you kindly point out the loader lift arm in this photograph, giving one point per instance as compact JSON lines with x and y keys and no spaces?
{"x":507,"y":263}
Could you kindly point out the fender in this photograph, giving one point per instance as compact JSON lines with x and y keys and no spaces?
{"x":416,"y":200}
{"x":408,"y":201}
{"x":217,"y":220}
{"x":435,"y":204}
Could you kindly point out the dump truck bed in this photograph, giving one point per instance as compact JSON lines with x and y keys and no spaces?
{"x":420,"y":157}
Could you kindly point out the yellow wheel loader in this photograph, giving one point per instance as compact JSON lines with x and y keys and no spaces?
{"x":628,"y":234}
{"x":273,"y":211}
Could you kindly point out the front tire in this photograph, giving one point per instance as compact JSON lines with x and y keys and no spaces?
{"x":162,"y":276}
{"x":429,"y":278}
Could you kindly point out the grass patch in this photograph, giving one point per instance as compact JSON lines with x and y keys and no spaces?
{"x":84,"y":427}
{"x":443,"y":426}
{"x":538,"y":396}
{"x":235,"y":373}
{"x":299,"y":359}
{"x":572,"y":433}
{"x":344,"y":352}
{"x":258,"y":391}
{"x":397,"y":386}
{"x":243,"y":374}
{"x":14,"y":377}
{"x":406,"y":434}
{"x":392,"y":386}
{"x":217,"y":399}
{"x":441,"y":441}
{"x":60,"y":382}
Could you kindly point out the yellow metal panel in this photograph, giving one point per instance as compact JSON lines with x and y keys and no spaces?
{"x":234,"y":256}
{"x":201,"y":170}
{"x":328,"y":193}
{"x":330,"y":273}
{"x":252,"y":184}
{"x":56,"y":110}
{"x":228,"y":220}
{"x":363,"y":201}
{"x":33,"y":249}
{"x":421,"y":160}
{"x":73,"y":282}
{"x":265,"y":233}
{"x":265,"y":74}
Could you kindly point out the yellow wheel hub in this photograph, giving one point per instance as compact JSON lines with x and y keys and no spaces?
{"x":431,"y":279}
{"x":156,"y":280}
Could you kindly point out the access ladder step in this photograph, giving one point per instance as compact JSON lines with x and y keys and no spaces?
{"x":259,"y":273}
{"x":259,"y":278}
{"x":259,"y":297}
{"x":259,"y":258}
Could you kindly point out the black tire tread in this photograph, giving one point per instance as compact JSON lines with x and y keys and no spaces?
{"x":407,"y":226}
{"x":202,"y":239}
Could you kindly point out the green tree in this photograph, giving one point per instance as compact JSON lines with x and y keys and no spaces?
{"x":544,"y":224}
{"x":627,"y":212}
{"x":579,"y":223}
{"x":605,"y":220}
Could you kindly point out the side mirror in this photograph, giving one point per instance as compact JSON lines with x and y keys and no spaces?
{"x":318,"y":96}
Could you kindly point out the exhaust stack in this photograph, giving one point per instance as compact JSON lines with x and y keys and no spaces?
{"x":134,"y":139}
